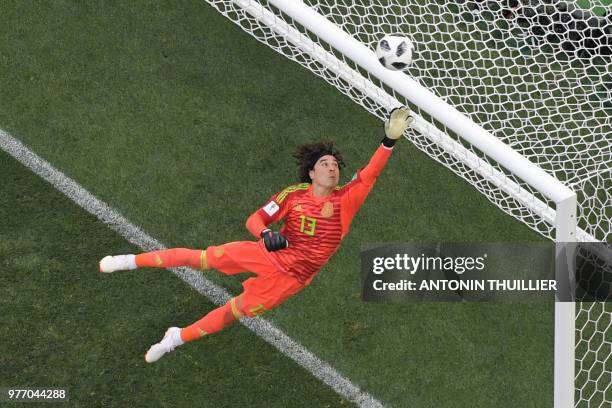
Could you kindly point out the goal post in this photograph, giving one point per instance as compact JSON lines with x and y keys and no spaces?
{"x":565,"y":307}
{"x":498,"y":102}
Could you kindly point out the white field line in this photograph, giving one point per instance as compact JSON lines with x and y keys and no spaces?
{"x":264,"y":329}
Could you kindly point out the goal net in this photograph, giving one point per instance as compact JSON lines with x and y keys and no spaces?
{"x":537,"y":75}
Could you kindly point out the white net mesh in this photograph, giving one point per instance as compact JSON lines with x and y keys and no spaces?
{"x":537,"y":75}
{"x":593,"y":328}
{"x":594,"y":355}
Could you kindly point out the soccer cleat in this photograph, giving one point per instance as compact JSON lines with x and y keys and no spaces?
{"x":171,"y":340}
{"x":111,"y":263}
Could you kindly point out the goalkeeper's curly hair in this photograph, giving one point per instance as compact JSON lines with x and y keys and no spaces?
{"x":308,"y":154}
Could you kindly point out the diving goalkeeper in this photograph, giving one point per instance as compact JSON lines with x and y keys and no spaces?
{"x":317,"y":214}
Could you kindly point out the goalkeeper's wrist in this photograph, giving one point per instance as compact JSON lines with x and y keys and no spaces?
{"x":264,"y":232}
{"x":388,"y":142}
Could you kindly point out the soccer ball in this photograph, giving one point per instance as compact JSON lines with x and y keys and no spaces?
{"x":394,"y":51}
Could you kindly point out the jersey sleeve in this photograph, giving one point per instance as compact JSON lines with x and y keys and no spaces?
{"x":255,"y":224}
{"x":355,"y":192}
{"x":375,"y":166}
{"x":274,"y":211}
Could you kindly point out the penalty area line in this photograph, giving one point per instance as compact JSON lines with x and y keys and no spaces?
{"x":260,"y":326}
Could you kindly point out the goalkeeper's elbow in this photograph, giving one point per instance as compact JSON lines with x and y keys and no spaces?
{"x":255,"y":224}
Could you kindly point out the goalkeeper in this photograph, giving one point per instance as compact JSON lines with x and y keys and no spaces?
{"x":317,"y":216}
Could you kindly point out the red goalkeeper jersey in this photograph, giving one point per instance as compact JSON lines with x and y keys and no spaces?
{"x":315,"y":226}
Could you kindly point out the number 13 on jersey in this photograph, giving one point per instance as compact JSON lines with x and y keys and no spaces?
{"x":307,"y":225}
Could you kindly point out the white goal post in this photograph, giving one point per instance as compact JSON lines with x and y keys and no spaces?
{"x":521,"y":183}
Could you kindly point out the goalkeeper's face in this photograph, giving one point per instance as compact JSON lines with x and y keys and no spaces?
{"x":325,"y":172}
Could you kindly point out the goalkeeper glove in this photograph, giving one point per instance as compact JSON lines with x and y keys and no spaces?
{"x":399,"y":120}
{"x":274,"y":241}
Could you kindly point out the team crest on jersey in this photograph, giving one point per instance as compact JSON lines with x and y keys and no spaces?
{"x":271,"y":208}
{"x":327,"y":210}
{"x":298,"y":208}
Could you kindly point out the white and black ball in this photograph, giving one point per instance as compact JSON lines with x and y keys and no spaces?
{"x":395,"y":51}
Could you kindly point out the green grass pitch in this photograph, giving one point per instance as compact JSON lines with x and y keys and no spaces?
{"x":185,"y":124}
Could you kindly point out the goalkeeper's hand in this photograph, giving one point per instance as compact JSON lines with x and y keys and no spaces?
{"x":399,"y":120}
{"x":274,"y":241}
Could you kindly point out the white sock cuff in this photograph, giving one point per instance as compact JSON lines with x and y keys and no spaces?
{"x":176,"y":337}
{"x":131,"y":261}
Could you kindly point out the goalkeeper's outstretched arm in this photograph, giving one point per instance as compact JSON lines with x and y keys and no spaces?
{"x":399,"y":121}
{"x":356,"y":191}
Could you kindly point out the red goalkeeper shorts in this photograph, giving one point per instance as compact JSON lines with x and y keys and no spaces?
{"x":267,"y":290}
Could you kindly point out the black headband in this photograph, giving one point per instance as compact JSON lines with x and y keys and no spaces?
{"x":312,"y":163}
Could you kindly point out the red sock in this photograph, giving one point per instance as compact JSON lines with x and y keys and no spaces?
{"x":213,"y":322}
{"x":173,"y":257}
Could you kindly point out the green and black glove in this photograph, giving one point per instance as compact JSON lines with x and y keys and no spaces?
{"x":399,"y":120}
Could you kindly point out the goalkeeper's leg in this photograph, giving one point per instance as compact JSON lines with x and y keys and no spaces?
{"x":168,"y":258}
{"x":230,"y":258}
{"x":264,"y":292}
{"x":214,"y":321}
